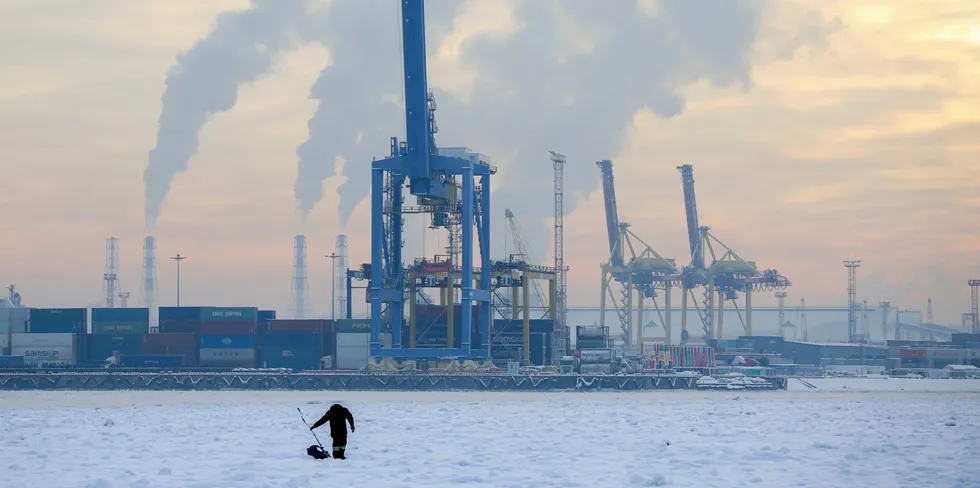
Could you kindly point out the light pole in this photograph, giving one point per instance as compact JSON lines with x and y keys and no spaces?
{"x":178,"y":258}
{"x":333,"y":284}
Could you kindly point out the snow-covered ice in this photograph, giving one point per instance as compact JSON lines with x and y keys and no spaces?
{"x":599,"y":439}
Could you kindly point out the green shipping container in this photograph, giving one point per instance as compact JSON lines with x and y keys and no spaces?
{"x":103,"y":328}
{"x":101,"y":347}
{"x":229,"y":314}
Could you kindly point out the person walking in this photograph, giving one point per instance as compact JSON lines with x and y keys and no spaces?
{"x":338,"y":417}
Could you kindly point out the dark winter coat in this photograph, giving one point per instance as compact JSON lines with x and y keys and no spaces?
{"x":338,"y":416}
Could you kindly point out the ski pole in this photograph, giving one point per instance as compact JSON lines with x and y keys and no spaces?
{"x":311,"y":429}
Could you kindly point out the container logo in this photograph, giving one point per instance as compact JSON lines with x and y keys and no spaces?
{"x":226,"y":353}
{"x":227,"y":313}
{"x":226,"y":341}
{"x":42,"y":354}
{"x":287,"y":354}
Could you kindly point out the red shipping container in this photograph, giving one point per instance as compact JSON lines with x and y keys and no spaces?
{"x":311,"y":326}
{"x":180,"y":326}
{"x":230,"y":328}
{"x":912,"y":354}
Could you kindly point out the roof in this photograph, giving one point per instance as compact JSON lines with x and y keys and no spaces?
{"x":962,"y":367}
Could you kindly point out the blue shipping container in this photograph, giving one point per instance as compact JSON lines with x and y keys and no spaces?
{"x":138,"y":315}
{"x":11,"y":361}
{"x":100,"y":347}
{"x":539,"y":326}
{"x":227,"y":341}
{"x":140,"y":361}
{"x":265,"y":316}
{"x":58,"y":320}
{"x":229,"y":314}
{"x":179,"y":314}
{"x":289,"y":357}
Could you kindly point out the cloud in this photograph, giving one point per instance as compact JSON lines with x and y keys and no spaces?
{"x":537,"y":76}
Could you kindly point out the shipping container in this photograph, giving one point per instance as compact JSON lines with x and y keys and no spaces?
{"x":912,"y":354}
{"x":297,"y":326}
{"x":188,"y":326}
{"x":353,"y":326}
{"x":229,"y":314}
{"x":596,"y":355}
{"x":226,"y":354}
{"x":179,"y":314}
{"x":660,"y":356}
{"x":239,"y":328}
{"x":46,"y":356}
{"x":157,"y":361}
{"x":101,"y":347}
{"x":536,"y":326}
{"x":593,"y":343}
{"x":125,"y":315}
{"x":4,"y":344}
{"x":293,"y":351}
{"x":12,"y":362}
{"x":58,"y":320}
{"x":263,"y":316}
{"x":52,"y":339}
{"x":170,"y":340}
{"x":13,"y":320}
{"x":227,"y":341}
{"x":953,"y":354}
{"x":591,"y":331}
{"x":353,"y":350}
{"x":136,"y":328}
{"x":596,"y":368}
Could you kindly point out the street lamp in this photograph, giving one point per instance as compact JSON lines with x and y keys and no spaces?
{"x":333,"y":284}
{"x":178,"y":258}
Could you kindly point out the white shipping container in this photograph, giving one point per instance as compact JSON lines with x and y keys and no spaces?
{"x":353,"y":350}
{"x":45,"y":356}
{"x":245,"y":354}
{"x":42,"y":340}
{"x":600,"y":368}
{"x":596,"y":355}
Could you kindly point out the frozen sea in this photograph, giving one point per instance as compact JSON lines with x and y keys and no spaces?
{"x":842,"y":433}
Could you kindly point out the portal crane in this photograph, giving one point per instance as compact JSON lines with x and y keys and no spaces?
{"x":444,"y":184}
{"x":523,"y":249}
{"x":726,"y":274}
{"x":642,"y":272}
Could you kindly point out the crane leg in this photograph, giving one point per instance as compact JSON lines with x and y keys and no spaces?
{"x":748,"y":311}
{"x":721,"y":314}
{"x":667,"y":317}
{"x":683,"y":310}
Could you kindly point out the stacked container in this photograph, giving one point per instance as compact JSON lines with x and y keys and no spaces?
{"x":508,"y":340}
{"x":46,"y":350}
{"x":183,"y":346}
{"x":12,"y":321}
{"x":293,"y":350}
{"x":352,"y":344}
{"x":662,"y":356}
{"x":595,"y":361}
{"x":180,"y":320}
{"x":116,"y":332}
{"x":592,"y":337}
{"x":227,"y":350}
{"x":58,"y":321}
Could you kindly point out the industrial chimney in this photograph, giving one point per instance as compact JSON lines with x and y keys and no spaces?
{"x":149,"y":287}
{"x":340,"y":274}
{"x":301,"y":286}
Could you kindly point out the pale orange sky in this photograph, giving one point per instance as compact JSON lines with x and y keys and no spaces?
{"x":865,"y":147}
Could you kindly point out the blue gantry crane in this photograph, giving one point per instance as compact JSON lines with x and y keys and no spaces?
{"x":726,"y":273}
{"x":444,"y":184}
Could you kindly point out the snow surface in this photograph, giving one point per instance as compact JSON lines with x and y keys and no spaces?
{"x":599,"y":439}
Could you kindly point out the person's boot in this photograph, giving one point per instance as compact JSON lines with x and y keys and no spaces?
{"x":339,"y":454}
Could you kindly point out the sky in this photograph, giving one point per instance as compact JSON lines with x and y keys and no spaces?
{"x":819,"y":131}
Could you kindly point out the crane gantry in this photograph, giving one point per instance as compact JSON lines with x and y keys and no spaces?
{"x":636,"y":268}
{"x":725,"y":275}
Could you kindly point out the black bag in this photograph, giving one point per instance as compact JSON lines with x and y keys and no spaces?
{"x":317,"y":452}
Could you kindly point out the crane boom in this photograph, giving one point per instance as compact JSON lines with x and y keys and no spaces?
{"x":515,"y":232}
{"x":612,"y":214}
{"x":691,"y":208}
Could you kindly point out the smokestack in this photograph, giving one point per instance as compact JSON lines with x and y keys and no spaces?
{"x":240,"y":48}
{"x":340,"y":273}
{"x":149,"y":287}
{"x":111,"y":276}
{"x":301,"y":286}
